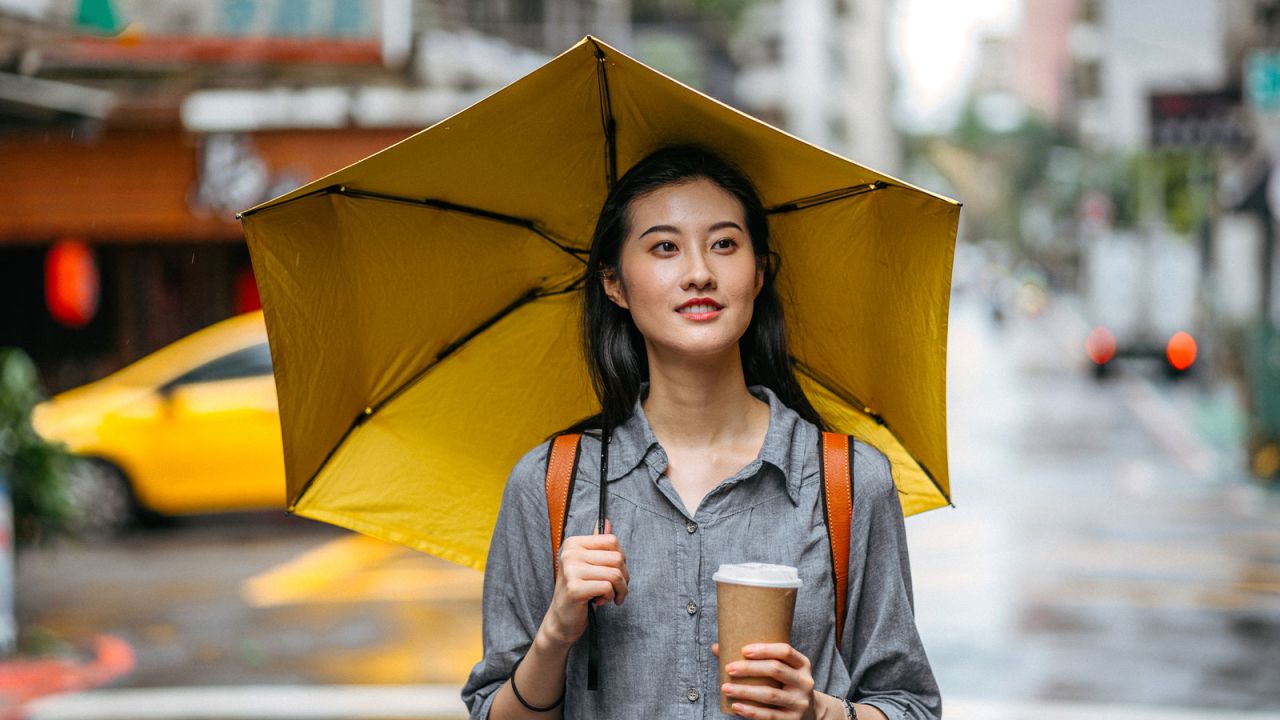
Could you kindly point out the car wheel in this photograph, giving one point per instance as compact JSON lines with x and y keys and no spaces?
{"x":101,"y":502}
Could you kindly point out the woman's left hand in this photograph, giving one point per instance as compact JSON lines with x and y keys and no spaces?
{"x":795,"y":700}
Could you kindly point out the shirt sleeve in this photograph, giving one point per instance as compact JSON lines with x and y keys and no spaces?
{"x":888,"y":667}
{"x":518,"y":581}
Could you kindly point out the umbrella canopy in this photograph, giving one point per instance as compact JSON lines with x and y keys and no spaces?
{"x":422,"y":304}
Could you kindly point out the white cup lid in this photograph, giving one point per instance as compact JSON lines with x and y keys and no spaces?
{"x":759,"y":574}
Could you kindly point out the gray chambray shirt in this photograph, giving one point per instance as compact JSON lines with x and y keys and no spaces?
{"x":656,"y":659}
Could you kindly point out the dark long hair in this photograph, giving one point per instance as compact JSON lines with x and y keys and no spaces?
{"x":614,"y":347}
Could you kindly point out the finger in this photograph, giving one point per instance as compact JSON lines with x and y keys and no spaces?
{"x":797,"y":678}
{"x":777,"y":651}
{"x":617,"y":581}
{"x":772,"y":669}
{"x":715,"y":649}
{"x":608,"y":527}
{"x":593,"y":542}
{"x":597,"y":591}
{"x":608,"y":557}
{"x":601,"y":558}
{"x":774,"y":699}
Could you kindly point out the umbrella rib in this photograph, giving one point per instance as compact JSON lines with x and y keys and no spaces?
{"x":823,"y":198}
{"x":447,"y":206}
{"x":435,"y":204}
{"x":606,"y":119}
{"x":368,"y":411}
{"x":850,"y":399}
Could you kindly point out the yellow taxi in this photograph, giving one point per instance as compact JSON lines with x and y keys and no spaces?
{"x":191,"y":428}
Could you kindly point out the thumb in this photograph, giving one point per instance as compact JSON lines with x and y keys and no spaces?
{"x":715,"y":649}
{"x":608,"y":528}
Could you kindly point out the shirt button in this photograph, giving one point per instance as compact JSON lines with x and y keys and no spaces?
{"x":692,"y":607}
{"x":691,"y":526}
{"x":693,"y":695}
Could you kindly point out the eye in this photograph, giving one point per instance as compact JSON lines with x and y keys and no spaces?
{"x":665,"y":246}
{"x":724,"y":244}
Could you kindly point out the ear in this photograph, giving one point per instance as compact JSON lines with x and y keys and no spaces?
{"x":613,"y":288}
{"x":759,"y":280}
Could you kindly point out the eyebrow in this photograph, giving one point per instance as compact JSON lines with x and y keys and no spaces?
{"x":671,"y":228}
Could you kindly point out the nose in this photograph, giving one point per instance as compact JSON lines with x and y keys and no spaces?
{"x":697,"y":272}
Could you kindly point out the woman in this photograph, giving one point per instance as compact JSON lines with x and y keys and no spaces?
{"x":712,"y":458}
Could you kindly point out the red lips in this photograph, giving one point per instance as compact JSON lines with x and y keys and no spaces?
{"x":700,"y":301}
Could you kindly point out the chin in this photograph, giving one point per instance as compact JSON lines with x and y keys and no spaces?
{"x":707,"y":348}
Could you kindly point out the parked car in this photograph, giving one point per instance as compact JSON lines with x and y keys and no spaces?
{"x":191,"y":428}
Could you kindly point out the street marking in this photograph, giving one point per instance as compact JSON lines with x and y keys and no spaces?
{"x":444,"y":702}
{"x":1161,"y":421}
{"x":971,"y":709}
{"x":264,"y":701}
{"x":356,"y":568}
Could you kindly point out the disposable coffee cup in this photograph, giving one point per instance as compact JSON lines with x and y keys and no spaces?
{"x":756,"y":603}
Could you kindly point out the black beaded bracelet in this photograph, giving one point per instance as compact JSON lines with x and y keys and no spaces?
{"x":525,"y":703}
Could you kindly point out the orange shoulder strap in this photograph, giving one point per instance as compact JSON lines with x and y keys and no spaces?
{"x":837,"y":497}
{"x":562,"y":465}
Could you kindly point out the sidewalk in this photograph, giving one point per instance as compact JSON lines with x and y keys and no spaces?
{"x":443,"y":702}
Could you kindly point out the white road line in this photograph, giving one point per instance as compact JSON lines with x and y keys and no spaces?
{"x":961,"y":709}
{"x":443,"y":702}
{"x":1165,"y":424}
{"x":255,"y":701}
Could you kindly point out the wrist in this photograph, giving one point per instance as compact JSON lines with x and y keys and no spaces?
{"x":828,"y":707}
{"x":550,"y":643}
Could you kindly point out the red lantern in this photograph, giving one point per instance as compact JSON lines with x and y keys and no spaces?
{"x":71,"y":283}
{"x":246,"y":291}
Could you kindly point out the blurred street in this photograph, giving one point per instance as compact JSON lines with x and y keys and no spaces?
{"x":1096,"y":556}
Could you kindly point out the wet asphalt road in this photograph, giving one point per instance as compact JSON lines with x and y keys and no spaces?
{"x":1105,"y":547}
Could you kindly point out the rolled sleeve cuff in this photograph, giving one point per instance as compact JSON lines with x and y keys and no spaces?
{"x":894,"y":711}
{"x":481,"y":709}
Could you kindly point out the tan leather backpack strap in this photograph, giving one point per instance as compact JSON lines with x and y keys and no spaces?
{"x":837,"y":504}
{"x":562,"y":465}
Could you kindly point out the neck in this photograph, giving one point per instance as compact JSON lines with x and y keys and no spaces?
{"x":700,"y":402}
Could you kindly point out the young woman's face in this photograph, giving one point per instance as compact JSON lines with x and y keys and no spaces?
{"x":688,"y":272}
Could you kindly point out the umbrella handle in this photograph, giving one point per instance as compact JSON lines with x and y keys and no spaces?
{"x":593,"y":643}
{"x":605,"y":432}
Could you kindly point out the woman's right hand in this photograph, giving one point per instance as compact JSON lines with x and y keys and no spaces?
{"x":592,"y":569}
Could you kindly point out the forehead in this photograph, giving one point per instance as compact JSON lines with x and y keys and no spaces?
{"x":696,"y":201}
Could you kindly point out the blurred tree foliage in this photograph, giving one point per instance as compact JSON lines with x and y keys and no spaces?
{"x":653,"y":11}
{"x":1006,"y":165}
{"x":1151,"y":186}
{"x":36,"y":470}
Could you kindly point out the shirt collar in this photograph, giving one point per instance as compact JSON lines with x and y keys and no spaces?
{"x":633,"y":442}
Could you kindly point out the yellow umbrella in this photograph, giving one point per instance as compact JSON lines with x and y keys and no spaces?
{"x":422,"y":304}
